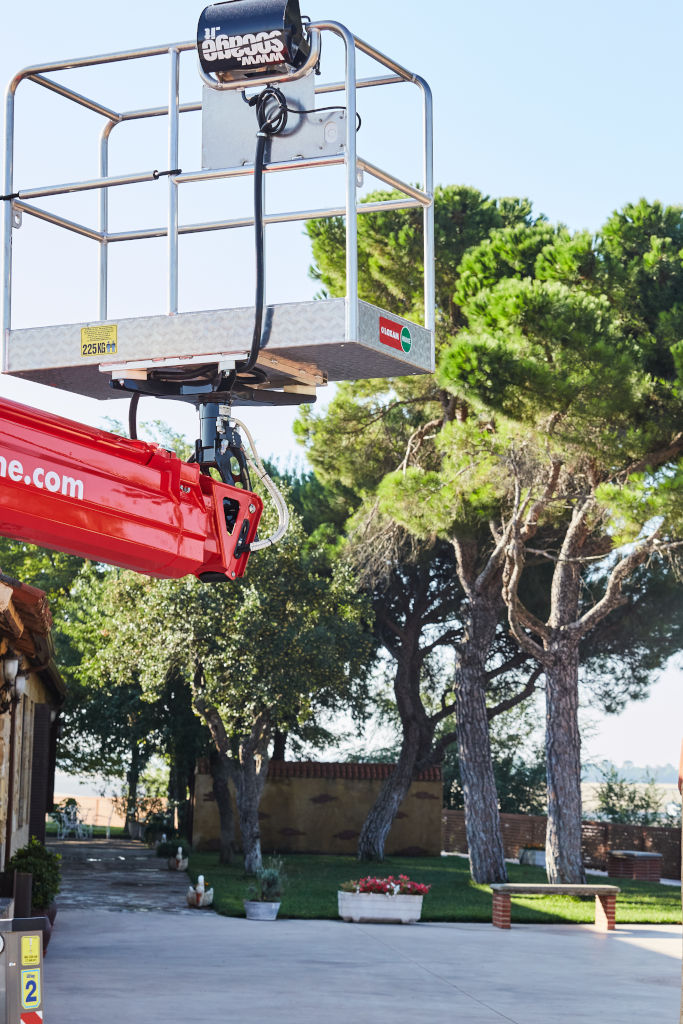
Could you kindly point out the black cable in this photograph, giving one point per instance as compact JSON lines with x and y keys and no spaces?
{"x":259,"y":243}
{"x":205,"y":372}
{"x":133,"y":416}
{"x":271,"y":120}
{"x":162,"y":174}
{"x":293,"y":110}
{"x":271,"y":115}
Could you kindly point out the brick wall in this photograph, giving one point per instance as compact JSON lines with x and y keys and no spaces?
{"x":318,"y":807}
{"x":597,"y":839}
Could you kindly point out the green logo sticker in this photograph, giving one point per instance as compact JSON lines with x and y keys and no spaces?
{"x":406,"y":340}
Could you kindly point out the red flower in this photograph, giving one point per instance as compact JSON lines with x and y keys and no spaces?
{"x":389,"y":886}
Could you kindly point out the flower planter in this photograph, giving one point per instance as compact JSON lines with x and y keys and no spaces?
{"x":535,"y":857}
{"x":260,"y":910}
{"x":371,"y":907}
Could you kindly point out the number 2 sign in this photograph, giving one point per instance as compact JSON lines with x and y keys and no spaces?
{"x":30,"y":990}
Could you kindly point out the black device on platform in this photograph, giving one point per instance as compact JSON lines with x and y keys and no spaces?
{"x":241,"y":39}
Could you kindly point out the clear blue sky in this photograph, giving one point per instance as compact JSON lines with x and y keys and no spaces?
{"x":571,"y":105}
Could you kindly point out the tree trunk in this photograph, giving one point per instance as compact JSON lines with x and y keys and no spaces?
{"x":376,"y":826}
{"x":186,"y":815}
{"x":564,"y":860}
{"x":132,"y":781}
{"x":279,"y":745}
{"x":220,"y":775}
{"x":249,"y":782}
{"x":249,"y":788}
{"x":416,"y":743}
{"x":248,"y":773}
{"x":176,"y":795}
{"x":482,"y":818}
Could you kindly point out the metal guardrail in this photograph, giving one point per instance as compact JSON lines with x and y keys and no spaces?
{"x":410,"y":196}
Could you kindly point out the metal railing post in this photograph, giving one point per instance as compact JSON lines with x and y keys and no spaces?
{"x":173,"y":151}
{"x":104,"y":221}
{"x":7,"y":221}
{"x":428,"y":212}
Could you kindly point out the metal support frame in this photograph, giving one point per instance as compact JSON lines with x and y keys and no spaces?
{"x":411,"y":197}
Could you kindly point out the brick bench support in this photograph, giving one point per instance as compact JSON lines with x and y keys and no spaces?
{"x":605,"y":900}
{"x":501,"y":910}
{"x":605,"y":911}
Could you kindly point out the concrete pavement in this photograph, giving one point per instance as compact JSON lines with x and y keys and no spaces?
{"x":189,"y":966}
{"x":117,"y":874}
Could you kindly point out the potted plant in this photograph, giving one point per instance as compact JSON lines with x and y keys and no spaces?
{"x":43,"y":865}
{"x":533,"y":853}
{"x":381,"y":900}
{"x":264,"y":895}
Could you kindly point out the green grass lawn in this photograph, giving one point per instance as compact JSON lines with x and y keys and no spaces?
{"x":313,"y":880}
{"x":99,"y":831}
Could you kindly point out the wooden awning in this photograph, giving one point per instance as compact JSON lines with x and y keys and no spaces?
{"x":26,"y":627}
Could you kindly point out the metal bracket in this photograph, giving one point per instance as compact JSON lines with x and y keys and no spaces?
{"x":220,"y":446}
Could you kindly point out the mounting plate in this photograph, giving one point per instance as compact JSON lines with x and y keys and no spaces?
{"x":229,"y":127}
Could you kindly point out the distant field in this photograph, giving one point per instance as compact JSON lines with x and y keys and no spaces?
{"x":95,"y":810}
{"x":668,"y":793}
{"x":99,"y":831}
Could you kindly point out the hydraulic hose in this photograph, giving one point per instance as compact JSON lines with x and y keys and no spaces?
{"x":276,"y":496}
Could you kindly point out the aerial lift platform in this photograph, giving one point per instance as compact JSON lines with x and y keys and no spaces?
{"x":265,"y":111}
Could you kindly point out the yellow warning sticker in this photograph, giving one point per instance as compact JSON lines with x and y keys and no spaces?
{"x":30,"y":950}
{"x":30,"y":990}
{"x":99,"y":340}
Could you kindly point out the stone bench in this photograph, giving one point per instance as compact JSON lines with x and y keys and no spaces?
{"x":644,"y":867}
{"x":605,"y":899}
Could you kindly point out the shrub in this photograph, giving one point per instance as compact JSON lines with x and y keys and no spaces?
{"x":627,"y":803}
{"x":170,"y":847}
{"x":43,"y":864}
{"x":270,"y":880}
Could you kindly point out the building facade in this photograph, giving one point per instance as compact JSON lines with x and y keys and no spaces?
{"x":31,"y":695}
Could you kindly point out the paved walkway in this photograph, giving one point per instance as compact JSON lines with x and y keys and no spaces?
{"x":180,"y":966}
{"x":117,"y":874}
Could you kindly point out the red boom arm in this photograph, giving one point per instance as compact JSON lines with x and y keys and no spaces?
{"x":74,"y":488}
